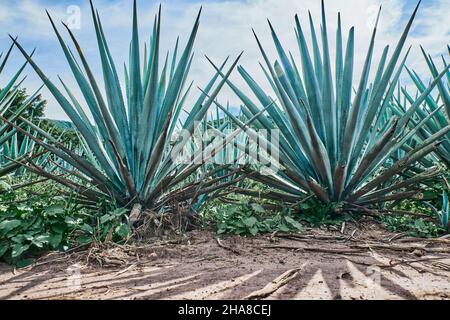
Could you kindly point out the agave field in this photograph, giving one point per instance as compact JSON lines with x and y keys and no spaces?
{"x":152,"y":167}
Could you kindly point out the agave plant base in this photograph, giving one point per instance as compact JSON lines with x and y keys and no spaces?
{"x":171,"y":222}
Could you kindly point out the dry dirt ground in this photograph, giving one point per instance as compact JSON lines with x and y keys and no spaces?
{"x":362,"y":262}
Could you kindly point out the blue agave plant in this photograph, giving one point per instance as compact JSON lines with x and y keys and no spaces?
{"x":334,"y":142}
{"x":130,"y":143}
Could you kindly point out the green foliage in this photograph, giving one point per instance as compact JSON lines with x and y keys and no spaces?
{"x":250,"y":218}
{"x":32,"y":225}
{"x":35,"y":110}
{"x":316,"y":213}
{"x":413,"y":226}
{"x":434,"y":204}
{"x":110,"y":224}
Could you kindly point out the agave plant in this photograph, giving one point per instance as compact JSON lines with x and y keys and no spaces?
{"x":227,"y":164}
{"x":439,"y":107}
{"x":10,"y":152}
{"x":333,"y":143}
{"x":14,"y":151}
{"x":131,"y":156}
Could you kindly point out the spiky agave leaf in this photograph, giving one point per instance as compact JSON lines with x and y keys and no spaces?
{"x":333,"y":143}
{"x":227,"y":164}
{"x":434,"y":111}
{"x":13,"y":148}
{"x":443,"y":214}
{"x":129,"y":141}
{"x":254,"y":157}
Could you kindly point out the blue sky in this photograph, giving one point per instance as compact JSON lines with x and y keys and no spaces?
{"x":225,"y":30}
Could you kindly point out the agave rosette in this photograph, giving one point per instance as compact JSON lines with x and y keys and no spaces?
{"x":129,"y":147}
{"x":334,"y":142}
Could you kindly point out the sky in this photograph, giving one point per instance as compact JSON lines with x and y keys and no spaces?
{"x":225,"y":30}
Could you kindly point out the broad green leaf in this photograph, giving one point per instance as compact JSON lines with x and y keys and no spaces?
{"x":18,"y":250}
{"x":9,"y":225}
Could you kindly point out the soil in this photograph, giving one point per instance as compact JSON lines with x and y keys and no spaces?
{"x":359,"y":261}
